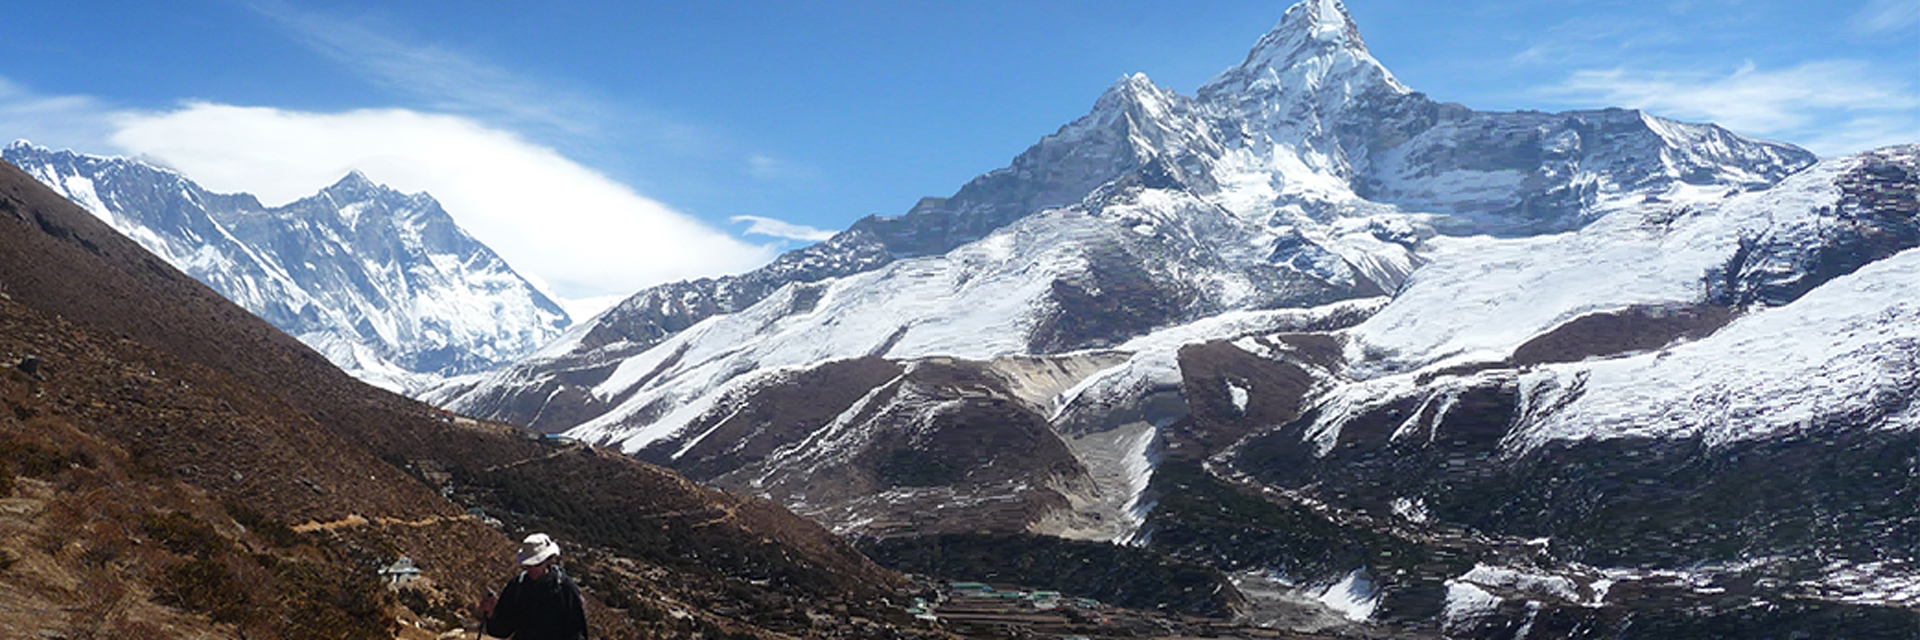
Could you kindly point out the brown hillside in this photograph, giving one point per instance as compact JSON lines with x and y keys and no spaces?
{"x":229,"y":481}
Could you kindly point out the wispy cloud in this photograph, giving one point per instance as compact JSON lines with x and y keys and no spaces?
{"x":1833,"y":106}
{"x":764,"y":167}
{"x":781,"y":229}
{"x":446,"y":79}
{"x":1597,"y":37}
{"x":1887,"y":16}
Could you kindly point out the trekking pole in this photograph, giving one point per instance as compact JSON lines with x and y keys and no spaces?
{"x":486,"y":613}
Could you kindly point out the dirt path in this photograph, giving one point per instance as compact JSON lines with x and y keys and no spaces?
{"x":354,"y":521}
{"x":570,"y":447}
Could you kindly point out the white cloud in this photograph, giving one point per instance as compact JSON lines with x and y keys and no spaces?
{"x":1833,"y":107}
{"x":782,"y":229}
{"x":552,"y":219}
{"x":1887,"y":16}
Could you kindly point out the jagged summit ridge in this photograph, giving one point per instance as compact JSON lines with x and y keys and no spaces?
{"x":1140,"y":121}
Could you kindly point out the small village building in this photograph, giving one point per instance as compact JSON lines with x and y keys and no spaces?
{"x":401,"y":572}
{"x":971,"y":589}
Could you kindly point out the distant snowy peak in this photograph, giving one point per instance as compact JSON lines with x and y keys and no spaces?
{"x":354,"y":192}
{"x":416,"y":220}
{"x":385,"y":284}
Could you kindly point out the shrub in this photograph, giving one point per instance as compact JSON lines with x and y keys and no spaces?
{"x":273,"y":531}
{"x":182,"y":534}
{"x":333,"y":602}
{"x":34,"y":460}
{"x":204,"y":585}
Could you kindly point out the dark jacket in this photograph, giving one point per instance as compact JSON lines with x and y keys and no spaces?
{"x":546,"y":609}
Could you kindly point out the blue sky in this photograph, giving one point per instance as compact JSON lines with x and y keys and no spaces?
{"x":680,"y":134}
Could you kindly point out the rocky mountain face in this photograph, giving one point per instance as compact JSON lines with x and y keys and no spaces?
{"x":172,"y":466}
{"x":384,"y":284}
{"x":1390,"y":361}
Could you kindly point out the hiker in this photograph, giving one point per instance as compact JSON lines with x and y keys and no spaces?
{"x":541,"y":603}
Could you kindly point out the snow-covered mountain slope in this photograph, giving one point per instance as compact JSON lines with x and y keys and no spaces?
{"x":1818,"y":269}
{"x":1308,"y":158}
{"x":1062,"y":280}
{"x":1848,"y":352}
{"x":384,"y":284}
{"x":1061,"y":444}
{"x":1480,"y":297}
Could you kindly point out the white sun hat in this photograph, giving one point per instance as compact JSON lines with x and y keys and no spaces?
{"x":537,"y":548}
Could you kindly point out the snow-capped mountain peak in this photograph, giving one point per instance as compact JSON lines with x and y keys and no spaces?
{"x":356,"y":187}
{"x":1315,"y":49}
{"x":354,"y":180}
{"x":1309,"y":26}
{"x":355,"y":196}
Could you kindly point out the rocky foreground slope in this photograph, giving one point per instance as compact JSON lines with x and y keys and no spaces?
{"x":1587,"y":374}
